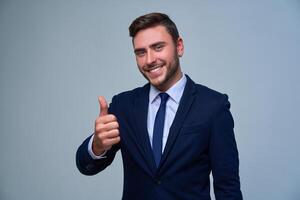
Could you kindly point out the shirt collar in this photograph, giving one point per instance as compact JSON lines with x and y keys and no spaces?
{"x":175,"y":92}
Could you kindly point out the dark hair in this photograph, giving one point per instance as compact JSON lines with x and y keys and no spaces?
{"x":152,"y":20}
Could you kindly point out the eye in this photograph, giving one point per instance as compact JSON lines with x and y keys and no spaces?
{"x":158,"y":47}
{"x":140,"y":53}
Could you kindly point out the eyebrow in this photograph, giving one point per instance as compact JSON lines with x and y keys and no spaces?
{"x":151,"y":46}
{"x":157,"y":44}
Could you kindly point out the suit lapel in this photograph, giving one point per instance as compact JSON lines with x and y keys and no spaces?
{"x":184,"y":107}
{"x":141,"y":113}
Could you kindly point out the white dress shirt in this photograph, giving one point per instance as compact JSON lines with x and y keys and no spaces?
{"x":175,"y":93}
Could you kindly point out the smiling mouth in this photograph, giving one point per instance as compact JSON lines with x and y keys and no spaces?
{"x":155,"y":68}
{"x":155,"y":72}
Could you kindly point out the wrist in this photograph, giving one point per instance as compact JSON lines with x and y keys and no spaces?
{"x":96,"y":150}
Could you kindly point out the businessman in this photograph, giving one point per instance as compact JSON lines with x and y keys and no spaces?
{"x":172,"y":132}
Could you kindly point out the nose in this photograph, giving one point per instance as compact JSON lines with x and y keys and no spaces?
{"x":150,"y":58}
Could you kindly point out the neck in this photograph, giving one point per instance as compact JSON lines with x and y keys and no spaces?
{"x":172,"y":81}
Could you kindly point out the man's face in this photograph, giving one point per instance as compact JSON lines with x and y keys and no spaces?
{"x":157,"y":56}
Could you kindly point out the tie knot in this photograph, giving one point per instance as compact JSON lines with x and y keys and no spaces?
{"x":164,"y":97}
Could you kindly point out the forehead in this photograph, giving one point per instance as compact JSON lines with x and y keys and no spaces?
{"x":150,"y":36}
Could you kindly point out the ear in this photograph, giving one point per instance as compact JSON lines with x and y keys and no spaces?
{"x":180,"y":47}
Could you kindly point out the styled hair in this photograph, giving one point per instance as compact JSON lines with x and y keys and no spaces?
{"x":151,"y":20}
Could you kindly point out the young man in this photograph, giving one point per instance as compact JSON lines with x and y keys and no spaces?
{"x":172,"y":132}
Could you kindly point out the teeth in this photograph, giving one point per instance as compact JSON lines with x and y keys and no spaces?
{"x":154,"y":70}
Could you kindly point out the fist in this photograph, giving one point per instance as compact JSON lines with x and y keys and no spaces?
{"x":106,"y":129}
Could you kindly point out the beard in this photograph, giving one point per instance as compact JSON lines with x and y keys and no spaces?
{"x":172,"y":70}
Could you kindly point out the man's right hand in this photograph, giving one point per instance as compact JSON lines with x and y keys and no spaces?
{"x":106,"y":129}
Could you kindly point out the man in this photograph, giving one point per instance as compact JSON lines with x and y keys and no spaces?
{"x":172,"y":132}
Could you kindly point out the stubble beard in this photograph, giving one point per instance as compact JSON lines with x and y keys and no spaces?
{"x":170,"y":76}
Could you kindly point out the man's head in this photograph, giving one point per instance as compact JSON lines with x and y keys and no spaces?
{"x":152,"y":20}
{"x":157,"y":47}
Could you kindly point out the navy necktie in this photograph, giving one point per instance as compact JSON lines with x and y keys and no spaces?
{"x":159,"y":128}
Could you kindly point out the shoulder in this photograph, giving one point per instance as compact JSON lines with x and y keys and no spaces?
{"x":124,"y":102}
{"x":132,"y":94}
{"x":204,"y":92}
{"x":127,"y":98}
{"x":208,"y":98}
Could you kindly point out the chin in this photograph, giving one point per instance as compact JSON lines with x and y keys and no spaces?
{"x":157,"y":81}
{"x":160,"y":85}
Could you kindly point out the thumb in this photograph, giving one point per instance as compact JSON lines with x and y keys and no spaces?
{"x":103,"y":106}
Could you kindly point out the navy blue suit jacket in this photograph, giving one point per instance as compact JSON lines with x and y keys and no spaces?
{"x":201,"y":140}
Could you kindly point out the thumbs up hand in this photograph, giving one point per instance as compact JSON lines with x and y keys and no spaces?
{"x":106,"y":129}
{"x":103,"y":106}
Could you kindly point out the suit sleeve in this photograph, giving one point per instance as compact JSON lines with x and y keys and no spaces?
{"x":224,"y":154}
{"x":85,"y":163}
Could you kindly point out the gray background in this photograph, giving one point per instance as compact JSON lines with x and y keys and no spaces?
{"x":56,"y":57}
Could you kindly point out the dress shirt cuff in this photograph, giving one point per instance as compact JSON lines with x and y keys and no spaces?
{"x":90,"y":150}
